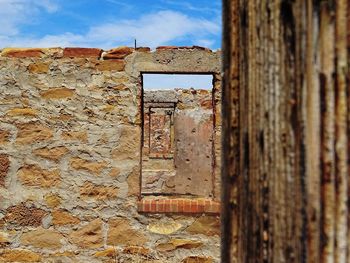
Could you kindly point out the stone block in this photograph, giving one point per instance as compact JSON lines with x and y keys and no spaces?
{"x":21,"y":215}
{"x":57,"y":93}
{"x":98,"y":192}
{"x":33,"y":175}
{"x":32,"y":132}
{"x":89,"y":236}
{"x":89,"y":166}
{"x":61,"y":217}
{"x":19,"y":255}
{"x":120,"y":232}
{"x":22,"y":52}
{"x":53,"y":154}
{"x":4,"y":168}
{"x":78,"y":52}
{"x":42,"y":238}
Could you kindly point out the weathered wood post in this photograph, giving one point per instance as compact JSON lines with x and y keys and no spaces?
{"x":285,"y":146}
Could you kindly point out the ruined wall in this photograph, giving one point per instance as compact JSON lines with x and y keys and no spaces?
{"x":70,"y":141}
{"x":179,"y":133}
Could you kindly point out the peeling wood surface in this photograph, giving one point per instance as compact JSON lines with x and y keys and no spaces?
{"x":287,"y":63}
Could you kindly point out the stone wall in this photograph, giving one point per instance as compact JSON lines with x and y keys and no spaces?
{"x":70,"y":143}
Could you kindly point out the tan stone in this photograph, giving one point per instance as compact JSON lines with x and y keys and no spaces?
{"x":206,"y":225}
{"x":197,"y":259}
{"x":60,"y":217}
{"x":32,"y":132}
{"x":19,"y":255}
{"x":164,"y":228}
{"x":22,"y":112}
{"x":75,"y":136}
{"x":4,"y":241}
{"x":136,"y":250}
{"x":129,"y":144}
{"x":52,"y":200}
{"x":21,"y":215}
{"x":133,"y":181}
{"x":22,"y":52}
{"x":4,"y":136}
{"x":118,"y":53}
{"x":111,"y":65}
{"x":39,"y":67}
{"x":51,"y":153}
{"x":33,"y":175}
{"x":4,"y":168}
{"x":99,"y":192}
{"x":89,"y":236}
{"x":121,"y":233}
{"x":114,"y":172}
{"x":90,"y":166}
{"x":179,"y":243}
{"x":57,"y":93}
{"x":42,"y":238}
{"x":109,"y":252}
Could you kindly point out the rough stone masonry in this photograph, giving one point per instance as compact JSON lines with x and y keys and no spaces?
{"x":70,"y":155}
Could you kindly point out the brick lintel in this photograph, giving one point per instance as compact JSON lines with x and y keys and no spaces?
{"x":178,"y":206}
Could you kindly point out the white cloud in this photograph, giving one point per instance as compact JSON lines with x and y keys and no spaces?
{"x":160,"y":28}
{"x":14,"y":13}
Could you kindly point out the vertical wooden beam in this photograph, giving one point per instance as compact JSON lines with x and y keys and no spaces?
{"x":287,"y":62}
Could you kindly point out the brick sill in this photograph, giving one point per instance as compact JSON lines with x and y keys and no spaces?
{"x":178,"y":206}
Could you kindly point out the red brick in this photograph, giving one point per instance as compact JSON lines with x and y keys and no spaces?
{"x":146,"y":206}
{"x":160,"y":206}
{"x":201,"y":205}
{"x":78,"y":52}
{"x":153,"y":206}
{"x":187,"y":206}
{"x":180,"y":205}
{"x":174,"y":204}
{"x":167,"y":206}
{"x":194,"y":206}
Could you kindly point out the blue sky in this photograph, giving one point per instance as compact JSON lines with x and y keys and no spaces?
{"x":109,"y":23}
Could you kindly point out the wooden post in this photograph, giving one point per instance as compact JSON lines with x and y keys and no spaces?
{"x":285,"y":146}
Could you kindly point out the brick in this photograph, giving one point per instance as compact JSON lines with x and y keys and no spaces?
{"x":22,"y":52}
{"x":179,"y":205}
{"x":78,"y":52}
{"x":187,"y":206}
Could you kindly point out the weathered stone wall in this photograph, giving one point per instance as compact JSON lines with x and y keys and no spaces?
{"x":70,"y":141}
